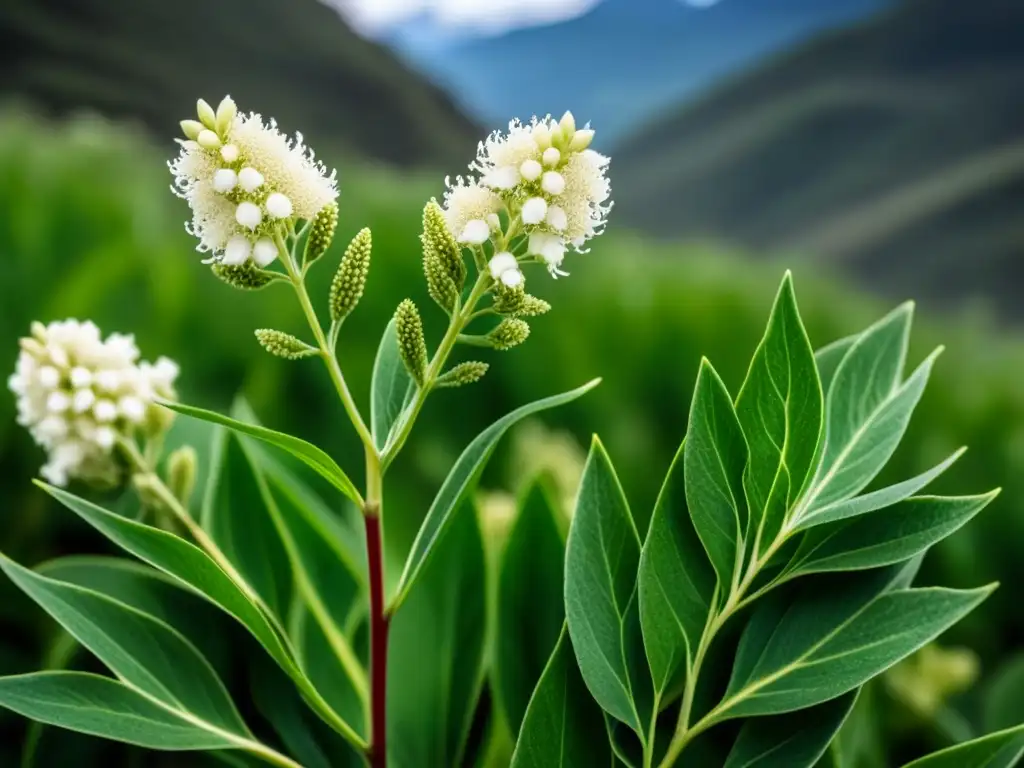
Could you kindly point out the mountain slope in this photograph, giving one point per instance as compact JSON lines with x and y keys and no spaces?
{"x":296,"y":60}
{"x":623,"y":60}
{"x":893,"y":149}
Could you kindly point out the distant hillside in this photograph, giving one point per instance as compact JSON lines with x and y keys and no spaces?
{"x":894,"y":149}
{"x":294,"y":59}
{"x":623,"y":60}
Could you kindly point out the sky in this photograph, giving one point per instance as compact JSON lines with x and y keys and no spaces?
{"x":377,"y":17}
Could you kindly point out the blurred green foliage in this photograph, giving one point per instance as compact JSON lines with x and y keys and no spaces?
{"x":89,"y":229}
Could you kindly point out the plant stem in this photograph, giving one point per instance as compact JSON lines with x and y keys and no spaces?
{"x":737,"y":600}
{"x":379,"y":624}
{"x":458,"y":322}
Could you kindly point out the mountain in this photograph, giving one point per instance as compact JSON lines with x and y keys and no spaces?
{"x":620,"y":62}
{"x":894,"y":150}
{"x":296,"y":60}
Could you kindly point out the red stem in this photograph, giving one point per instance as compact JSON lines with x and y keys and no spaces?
{"x":379,"y":623}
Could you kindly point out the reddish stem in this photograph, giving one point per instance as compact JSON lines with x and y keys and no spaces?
{"x":379,"y":623}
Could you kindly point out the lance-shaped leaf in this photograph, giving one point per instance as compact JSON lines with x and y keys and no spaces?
{"x":780,"y":409}
{"x":829,"y":357}
{"x":836,"y":634}
{"x":436,"y":651}
{"x":883,"y":497}
{"x":461,"y":480}
{"x":188,"y":564}
{"x":713,"y":462}
{"x":143,"y":652}
{"x":864,"y":429}
{"x":530,"y":607}
{"x":305,"y":452}
{"x":103,"y":707}
{"x":390,"y":388}
{"x":793,"y":740}
{"x":676,"y":586}
{"x":887,"y":536}
{"x":1002,"y":749}
{"x":601,"y":559}
{"x":562,"y":727}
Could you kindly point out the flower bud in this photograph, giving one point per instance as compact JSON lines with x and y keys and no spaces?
{"x":245,"y":277}
{"x":439,"y":284}
{"x":191,"y":129}
{"x":284,"y":345}
{"x":206,"y":114}
{"x":567,"y":127}
{"x":437,"y":237}
{"x":463,"y":373}
{"x":181,"y":473}
{"x":208,"y":139}
{"x":542,"y":135}
{"x":411,"y":345}
{"x":350,"y":279}
{"x":581,"y":140}
{"x":321,"y":234}
{"x":532,"y":306}
{"x":510,"y":332}
{"x":226,"y":112}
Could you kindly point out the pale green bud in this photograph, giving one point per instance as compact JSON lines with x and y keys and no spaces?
{"x":510,"y":332}
{"x":208,"y":140}
{"x":411,"y":345}
{"x":439,"y":285}
{"x":206,"y":114}
{"x":463,"y":373}
{"x":532,"y":306}
{"x":226,"y":112}
{"x":350,"y":279}
{"x":581,"y":140}
{"x":321,"y":233}
{"x":542,"y":135}
{"x":437,"y":237}
{"x":38,"y":330}
{"x":566,"y":129}
{"x":191,"y":129}
{"x":32,"y":346}
{"x":181,"y":473}
{"x":246,"y":277}
{"x":283,"y":344}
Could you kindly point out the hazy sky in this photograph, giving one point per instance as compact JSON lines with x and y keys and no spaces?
{"x":487,"y":16}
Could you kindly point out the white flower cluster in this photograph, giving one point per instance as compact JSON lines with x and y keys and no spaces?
{"x":546,"y":180}
{"x":77,"y":393}
{"x":243,"y":178}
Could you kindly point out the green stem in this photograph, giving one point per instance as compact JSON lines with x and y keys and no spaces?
{"x":458,"y":322}
{"x":326,"y":353}
{"x":737,"y":600}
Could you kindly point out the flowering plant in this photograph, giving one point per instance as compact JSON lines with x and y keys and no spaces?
{"x":735,"y":630}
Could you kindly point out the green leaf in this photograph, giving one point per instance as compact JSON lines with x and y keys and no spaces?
{"x":530,"y":608}
{"x":859,"y":451}
{"x":188,"y":564}
{"x":601,"y":608}
{"x":1003,"y":749}
{"x":780,"y":409}
{"x":829,"y":357}
{"x":836,"y":634}
{"x":883,"y":497}
{"x":103,"y":707}
{"x":391,"y":387}
{"x":305,"y":452}
{"x":715,"y":457}
{"x":887,"y":536}
{"x":461,"y":480}
{"x":561,"y":727}
{"x":794,"y":740}
{"x":143,"y":652}
{"x":236,"y":516}
{"x":676,"y":586}
{"x":436,"y":651}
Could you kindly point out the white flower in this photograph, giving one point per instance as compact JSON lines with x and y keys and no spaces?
{"x":467,"y":200}
{"x":230,"y":176}
{"x":550,"y":248}
{"x":501,"y":263}
{"x":264,"y":252}
{"x":476,"y":232}
{"x":585,"y":198}
{"x":553,"y":183}
{"x":512,"y":278}
{"x":78,"y":393}
{"x":534,"y":210}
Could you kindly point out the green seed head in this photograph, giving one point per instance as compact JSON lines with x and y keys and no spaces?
{"x":282,"y":344}
{"x":350,"y":280}
{"x":463,"y":373}
{"x":411,"y":344}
